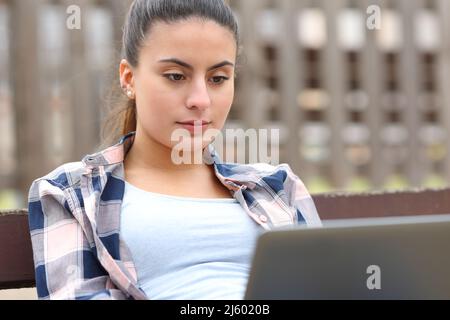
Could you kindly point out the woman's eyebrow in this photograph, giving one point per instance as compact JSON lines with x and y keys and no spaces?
{"x":188,"y":66}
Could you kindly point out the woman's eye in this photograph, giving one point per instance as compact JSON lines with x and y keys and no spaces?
{"x":174,"y":76}
{"x":219,"y":79}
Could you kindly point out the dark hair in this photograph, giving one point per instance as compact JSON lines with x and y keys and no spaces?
{"x":140,"y":18}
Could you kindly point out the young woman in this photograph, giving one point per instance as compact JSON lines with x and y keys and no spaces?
{"x":128,"y":222}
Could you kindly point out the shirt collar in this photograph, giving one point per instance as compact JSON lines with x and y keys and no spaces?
{"x":116,"y":153}
{"x":225,"y":172}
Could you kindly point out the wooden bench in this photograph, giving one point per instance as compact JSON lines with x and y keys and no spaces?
{"x":16,"y":258}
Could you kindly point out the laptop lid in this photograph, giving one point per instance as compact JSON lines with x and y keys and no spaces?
{"x":379,"y":258}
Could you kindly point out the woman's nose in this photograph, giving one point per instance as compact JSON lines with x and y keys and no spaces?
{"x":199,"y":96}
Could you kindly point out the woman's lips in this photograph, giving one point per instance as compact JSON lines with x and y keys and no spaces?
{"x":194,"y":128}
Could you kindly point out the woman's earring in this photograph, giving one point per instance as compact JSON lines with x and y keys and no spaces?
{"x":130,"y":94}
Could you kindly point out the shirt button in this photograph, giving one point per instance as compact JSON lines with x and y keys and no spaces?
{"x":263,"y":218}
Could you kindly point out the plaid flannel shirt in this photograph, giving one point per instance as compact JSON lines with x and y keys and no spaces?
{"x":74,"y":219}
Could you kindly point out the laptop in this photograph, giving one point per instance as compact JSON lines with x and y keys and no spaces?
{"x":377,"y":258}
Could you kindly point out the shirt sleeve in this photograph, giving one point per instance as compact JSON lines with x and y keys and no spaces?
{"x":66,"y":267}
{"x":300,"y":198}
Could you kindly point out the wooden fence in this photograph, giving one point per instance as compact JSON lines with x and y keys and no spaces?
{"x":361,"y":107}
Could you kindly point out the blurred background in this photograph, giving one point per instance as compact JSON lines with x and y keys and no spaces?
{"x":360,"y":90}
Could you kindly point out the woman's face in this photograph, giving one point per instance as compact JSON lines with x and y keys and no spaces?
{"x":185,"y":72}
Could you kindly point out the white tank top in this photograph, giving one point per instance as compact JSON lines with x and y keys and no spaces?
{"x":188,"y":248}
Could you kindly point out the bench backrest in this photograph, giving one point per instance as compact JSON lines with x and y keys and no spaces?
{"x":16,"y":257}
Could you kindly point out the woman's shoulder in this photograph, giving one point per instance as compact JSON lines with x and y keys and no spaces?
{"x":63,"y":176}
{"x":50,"y":191}
{"x":278,"y":177}
{"x":262,"y":169}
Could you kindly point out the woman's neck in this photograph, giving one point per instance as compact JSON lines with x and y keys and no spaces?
{"x":148,"y":165}
{"x":148,"y":154}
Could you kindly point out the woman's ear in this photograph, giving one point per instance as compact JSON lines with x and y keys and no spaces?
{"x":127,"y":78}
